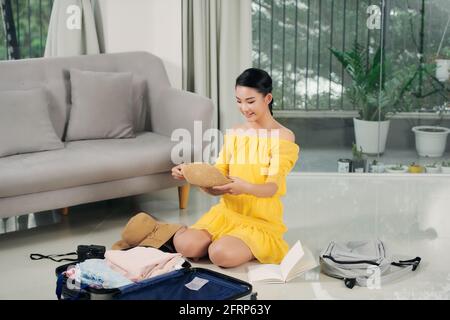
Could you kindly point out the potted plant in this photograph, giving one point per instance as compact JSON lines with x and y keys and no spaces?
{"x":376,"y":167}
{"x":415,"y":168}
{"x":431,"y":140}
{"x":359,"y":163}
{"x":442,"y":61}
{"x":373,"y":95}
{"x":445,"y":167}
{"x":442,"y":67}
{"x":397,"y":168}
{"x":432,"y":168}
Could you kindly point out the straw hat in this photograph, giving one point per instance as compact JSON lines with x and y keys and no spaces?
{"x":142,"y":230}
{"x":203,"y":175}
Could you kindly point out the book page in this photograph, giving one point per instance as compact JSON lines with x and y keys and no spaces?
{"x":307,"y":263}
{"x":291,"y":259}
{"x":265,"y":272}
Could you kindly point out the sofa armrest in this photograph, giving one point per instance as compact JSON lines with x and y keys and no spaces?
{"x":179,"y":109}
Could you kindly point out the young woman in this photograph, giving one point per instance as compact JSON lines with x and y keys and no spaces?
{"x":247,"y":223}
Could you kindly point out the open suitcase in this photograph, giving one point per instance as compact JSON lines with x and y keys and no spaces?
{"x":169,"y":286}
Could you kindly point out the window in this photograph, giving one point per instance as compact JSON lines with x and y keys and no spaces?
{"x":25,"y":24}
{"x":313,"y":92}
{"x":291,"y":40}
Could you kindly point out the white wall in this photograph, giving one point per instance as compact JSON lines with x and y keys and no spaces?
{"x":146,"y":25}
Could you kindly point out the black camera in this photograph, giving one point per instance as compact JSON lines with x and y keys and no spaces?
{"x":85,"y":252}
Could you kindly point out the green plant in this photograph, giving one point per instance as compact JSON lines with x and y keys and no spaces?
{"x":446,"y":163}
{"x":357,"y":154}
{"x":398,"y":166}
{"x":420,"y":94}
{"x":445,"y":54}
{"x":431,"y":165}
{"x":375,"y":96}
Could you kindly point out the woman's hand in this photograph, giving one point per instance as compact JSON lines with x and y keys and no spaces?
{"x":236,"y":187}
{"x":177,"y":172}
{"x":213,"y":192}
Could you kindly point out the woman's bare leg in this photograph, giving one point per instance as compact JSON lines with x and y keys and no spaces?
{"x":229,"y":251}
{"x":192,"y":243}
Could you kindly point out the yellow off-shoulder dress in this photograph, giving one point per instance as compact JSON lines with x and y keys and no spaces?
{"x":258,"y":221}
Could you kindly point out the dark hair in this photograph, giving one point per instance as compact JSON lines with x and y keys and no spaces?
{"x":257,"y":79}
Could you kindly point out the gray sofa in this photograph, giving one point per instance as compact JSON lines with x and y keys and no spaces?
{"x":94,"y":170}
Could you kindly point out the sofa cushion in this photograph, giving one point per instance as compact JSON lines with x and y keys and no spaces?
{"x":139,"y":103}
{"x":85,"y":162}
{"x":101,"y":105}
{"x":25,"y":124}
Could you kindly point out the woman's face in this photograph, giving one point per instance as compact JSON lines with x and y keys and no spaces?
{"x":252,"y":104}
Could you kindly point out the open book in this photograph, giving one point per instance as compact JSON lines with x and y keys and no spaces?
{"x":296,"y":262}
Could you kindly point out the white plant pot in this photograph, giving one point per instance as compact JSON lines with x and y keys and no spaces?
{"x":432,"y":169}
{"x":445,"y":169}
{"x":430,"y":144}
{"x":371,"y":136}
{"x":377,"y":168}
{"x":442,"y":67}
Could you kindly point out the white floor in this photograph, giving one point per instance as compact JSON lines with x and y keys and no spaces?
{"x":317,"y":209}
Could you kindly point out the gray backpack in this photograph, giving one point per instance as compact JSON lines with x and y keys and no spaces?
{"x":364,"y":263}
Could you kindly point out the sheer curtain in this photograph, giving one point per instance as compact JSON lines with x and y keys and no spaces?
{"x":74,"y":29}
{"x":217,"y":47}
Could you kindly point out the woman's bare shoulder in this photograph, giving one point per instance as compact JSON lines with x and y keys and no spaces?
{"x":287,"y":134}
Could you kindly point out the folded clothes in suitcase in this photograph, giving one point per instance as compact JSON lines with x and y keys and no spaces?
{"x":183,"y":284}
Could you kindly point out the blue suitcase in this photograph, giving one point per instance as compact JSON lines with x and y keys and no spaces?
{"x":169,"y":286}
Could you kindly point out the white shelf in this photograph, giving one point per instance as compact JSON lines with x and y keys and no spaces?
{"x":324,"y":160}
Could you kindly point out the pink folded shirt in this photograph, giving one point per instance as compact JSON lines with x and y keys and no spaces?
{"x":142,"y":263}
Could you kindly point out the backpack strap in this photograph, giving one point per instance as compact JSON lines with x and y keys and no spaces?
{"x":404,"y":267}
{"x":413,"y":262}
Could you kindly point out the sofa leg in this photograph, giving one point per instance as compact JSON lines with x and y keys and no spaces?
{"x":183,"y":195}
{"x":65,"y":211}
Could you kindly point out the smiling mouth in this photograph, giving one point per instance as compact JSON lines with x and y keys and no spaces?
{"x":249,"y":115}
